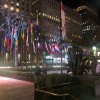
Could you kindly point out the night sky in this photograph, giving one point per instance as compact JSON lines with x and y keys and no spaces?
{"x":74,"y":3}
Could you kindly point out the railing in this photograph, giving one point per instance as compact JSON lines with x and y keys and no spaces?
{"x":44,"y":94}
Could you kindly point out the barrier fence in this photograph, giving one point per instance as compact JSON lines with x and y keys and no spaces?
{"x":45,"y":94}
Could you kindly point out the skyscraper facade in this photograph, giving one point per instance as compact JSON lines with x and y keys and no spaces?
{"x":90,"y":23}
{"x":49,"y":19}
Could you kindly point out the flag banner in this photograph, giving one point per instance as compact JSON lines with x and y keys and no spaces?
{"x":31,"y":32}
{"x":40,"y":46}
{"x":55,"y":49}
{"x":34,"y":49}
{"x":65,"y":47}
{"x":46,"y":46}
{"x":8,"y":41}
{"x":27,"y":38}
{"x":11,"y":38}
{"x":28,"y":50}
{"x":5,"y":40}
{"x":23,"y":35}
{"x":15,"y":33}
{"x":63,"y":27}
{"x":16,"y":42}
{"x":3,"y":47}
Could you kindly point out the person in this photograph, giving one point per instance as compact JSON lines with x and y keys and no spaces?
{"x":44,"y":69}
{"x":70,"y":60}
{"x":37,"y":73}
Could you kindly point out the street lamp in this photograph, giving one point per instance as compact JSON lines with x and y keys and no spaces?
{"x":94,"y":49}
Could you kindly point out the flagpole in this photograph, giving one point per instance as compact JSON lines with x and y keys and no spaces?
{"x":37,"y":37}
{"x":61,"y":34}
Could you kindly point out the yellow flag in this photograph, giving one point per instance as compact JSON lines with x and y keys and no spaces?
{"x":16,"y":42}
{"x":23,"y":36}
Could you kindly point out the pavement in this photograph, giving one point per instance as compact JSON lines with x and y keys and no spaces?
{"x":13,"y":89}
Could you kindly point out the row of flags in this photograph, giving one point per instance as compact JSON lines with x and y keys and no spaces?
{"x":24,"y":36}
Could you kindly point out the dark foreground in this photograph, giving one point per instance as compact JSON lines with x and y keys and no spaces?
{"x":12,"y":89}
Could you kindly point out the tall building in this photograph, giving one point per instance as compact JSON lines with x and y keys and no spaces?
{"x":49,"y":19}
{"x":48,"y":13}
{"x":90,"y":23}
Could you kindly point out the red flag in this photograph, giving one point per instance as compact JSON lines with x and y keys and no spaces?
{"x":8,"y":42}
{"x":63,"y":21}
{"x":27,"y":39}
{"x":52,"y":49}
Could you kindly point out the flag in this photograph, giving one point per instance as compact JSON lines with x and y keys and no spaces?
{"x":52,"y":49}
{"x":16,"y":42}
{"x":31,"y":27}
{"x":28,"y":50}
{"x":46,"y":46}
{"x":55,"y":49}
{"x":63,"y":21}
{"x":34,"y":49}
{"x":22,"y":35}
{"x":40,"y":45}
{"x":15,"y":33}
{"x":65,"y":47}
{"x":27,"y":39}
{"x":5,"y":40}
{"x":3,"y":44}
{"x":11,"y":38}
{"x":3,"y":47}
{"x":8,"y":41}
{"x":16,"y":36}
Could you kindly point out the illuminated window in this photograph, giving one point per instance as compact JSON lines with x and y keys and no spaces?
{"x":17,"y":9}
{"x":43,"y":14}
{"x":17,"y":4}
{"x":12,"y":8}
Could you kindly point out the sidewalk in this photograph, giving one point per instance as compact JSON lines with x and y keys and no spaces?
{"x":12,"y":89}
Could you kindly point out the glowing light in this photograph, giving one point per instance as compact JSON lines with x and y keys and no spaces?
{"x":17,"y":4}
{"x":94,"y":48}
{"x":6,"y":6}
{"x":17,"y":10}
{"x":12,"y":8}
{"x":6,"y":55}
{"x":5,"y":67}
